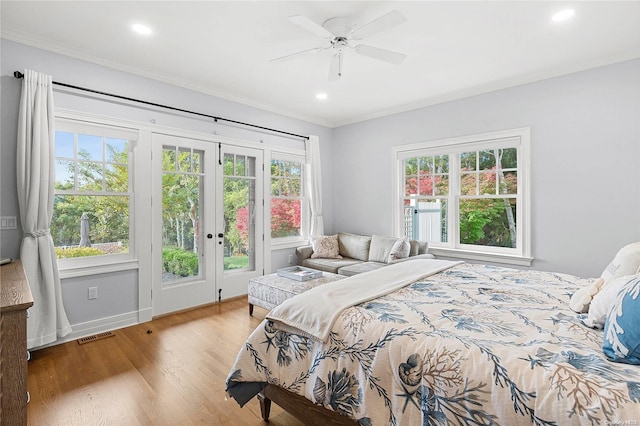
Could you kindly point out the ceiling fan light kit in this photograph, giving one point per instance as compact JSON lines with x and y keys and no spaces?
{"x":341,"y":35}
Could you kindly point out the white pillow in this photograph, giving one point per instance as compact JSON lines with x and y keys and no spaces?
{"x":626,"y":262}
{"x":400,"y":250}
{"x":603,"y":301}
{"x":581,"y":299}
{"x":325,"y":247}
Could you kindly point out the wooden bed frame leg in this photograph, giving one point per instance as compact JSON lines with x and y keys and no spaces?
{"x":265,"y":407}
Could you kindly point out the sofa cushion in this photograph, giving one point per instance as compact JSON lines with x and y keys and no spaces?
{"x":381,"y":248}
{"x":359,"y":268}
{"x":418,"y":247}
{"x":423,"y":247}
{"x":400,"y":250}
{"x":354,"y":246}
{"x":418,"y":256}
{"x":325,"y":247}
{"x":329,"y":265}
{"x":414,"y":246}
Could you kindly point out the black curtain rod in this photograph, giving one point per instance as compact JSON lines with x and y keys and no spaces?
{"x":18,"y":74}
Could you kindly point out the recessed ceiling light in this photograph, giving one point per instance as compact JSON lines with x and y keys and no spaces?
{"x":321,"y":96}
{"x":563,"y":15}
{"x":141,"y":29}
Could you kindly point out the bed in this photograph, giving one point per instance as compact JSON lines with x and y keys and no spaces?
{"x":454,"y":343}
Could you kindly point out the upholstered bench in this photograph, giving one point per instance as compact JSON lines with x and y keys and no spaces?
{"x":268,"y":291}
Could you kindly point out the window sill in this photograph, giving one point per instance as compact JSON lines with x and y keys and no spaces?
{"x":88,"y":269}
{"x":288,"y":244}
{"x":480,"y":256}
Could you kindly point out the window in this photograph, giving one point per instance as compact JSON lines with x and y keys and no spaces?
{"x":288,"y":205}
{"x":467,"y":196}
{"x":93,"y":191}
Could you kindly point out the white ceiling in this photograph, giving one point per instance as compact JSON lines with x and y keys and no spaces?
{"x":454,"y":49}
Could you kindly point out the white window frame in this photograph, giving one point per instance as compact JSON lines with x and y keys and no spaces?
{"x":76,"y":267}
{"x":294,"y":241}
{"x":518,"y":138}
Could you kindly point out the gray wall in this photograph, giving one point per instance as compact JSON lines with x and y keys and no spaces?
{"x":17,"y":57}
{"x":119,"y":291}
{"x":585,"y":131}
{"x":585,"y":149}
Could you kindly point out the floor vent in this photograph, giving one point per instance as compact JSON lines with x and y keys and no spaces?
{"x":95,"y":337}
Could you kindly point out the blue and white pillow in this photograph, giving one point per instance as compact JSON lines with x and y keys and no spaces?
{"x":621,"y":330}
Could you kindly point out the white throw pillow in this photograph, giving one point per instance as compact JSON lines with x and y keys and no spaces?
{"x":604,"y":300}
{"x":581,"y":299}
{"x":400,"y":250}
{"x":626,"y":262}
{"x":325,"y":247}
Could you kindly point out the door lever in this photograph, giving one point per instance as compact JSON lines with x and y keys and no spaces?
{"x":220,"y":235}
{"x":209,"y":236}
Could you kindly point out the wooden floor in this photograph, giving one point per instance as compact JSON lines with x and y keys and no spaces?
{"x":170,"y":371}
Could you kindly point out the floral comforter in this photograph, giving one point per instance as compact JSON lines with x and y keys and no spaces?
{"x":473,"y":345}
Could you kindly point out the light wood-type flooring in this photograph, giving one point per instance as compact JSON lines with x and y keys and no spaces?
{"x":170,"y":371}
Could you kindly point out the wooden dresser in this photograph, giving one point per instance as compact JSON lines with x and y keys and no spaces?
{"x":15,"y":299}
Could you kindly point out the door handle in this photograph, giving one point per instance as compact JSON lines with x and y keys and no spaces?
{"x":220,"y":235}
{"x":209,"y":236}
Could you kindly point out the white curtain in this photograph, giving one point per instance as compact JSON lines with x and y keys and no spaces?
{"x":314,"y":185}
{"x":35,"y":178}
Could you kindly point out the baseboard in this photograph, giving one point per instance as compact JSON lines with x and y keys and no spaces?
{"x":101,"y":325}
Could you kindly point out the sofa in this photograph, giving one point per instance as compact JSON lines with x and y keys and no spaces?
{"x":350,"y":254}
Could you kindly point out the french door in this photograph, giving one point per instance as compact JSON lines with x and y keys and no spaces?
{"x":207,"y":221}
{"x":239,"y":217}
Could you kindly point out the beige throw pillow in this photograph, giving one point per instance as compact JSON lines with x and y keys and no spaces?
{"x":325,"y":247}
{"x":400,"y":250}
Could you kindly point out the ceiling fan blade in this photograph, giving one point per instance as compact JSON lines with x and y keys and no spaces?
{"x":389,"y":20}
{"x":335,"y":70}
{"x":307,"y":24}
{"x":381,"y":54}
{"x":293,"y":55}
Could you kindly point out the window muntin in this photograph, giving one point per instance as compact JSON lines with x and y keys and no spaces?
{"x":467,"y":193}
{"x":93,"y":197}
{"x":287,"y":198}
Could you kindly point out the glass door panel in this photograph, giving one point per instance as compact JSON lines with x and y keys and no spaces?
{"x":239,"y":212}
{"x":241,"y":216}
{"x":182,"y":181}
{"x":182,"y":248}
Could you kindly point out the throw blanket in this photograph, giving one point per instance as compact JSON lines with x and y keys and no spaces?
{"x":313,"y":312}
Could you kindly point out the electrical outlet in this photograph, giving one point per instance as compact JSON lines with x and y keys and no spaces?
{"x":8,"y":222}
{"x":93,"y":293}
{"x":290,"y":259}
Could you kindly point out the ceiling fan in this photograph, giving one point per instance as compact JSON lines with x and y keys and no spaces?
{"x":342,"y":36}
